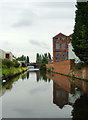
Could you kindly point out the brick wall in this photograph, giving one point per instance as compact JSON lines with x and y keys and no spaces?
{"x":61,"y":67}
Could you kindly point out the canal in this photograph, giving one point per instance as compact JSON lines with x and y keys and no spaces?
{"x":43,"y":95}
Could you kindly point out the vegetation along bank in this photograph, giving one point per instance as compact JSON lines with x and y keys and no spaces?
{"x":10,"y":69}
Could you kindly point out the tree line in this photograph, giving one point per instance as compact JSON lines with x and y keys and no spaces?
{"x":80,"y":34}
{"x":40,"y":57}
{"x":43,"y":60}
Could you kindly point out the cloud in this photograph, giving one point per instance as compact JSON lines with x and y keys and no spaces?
{"x":44,"y":11}
{"x":22,"y":23}
{"x":68,"y":5}
{"x":39,"y":44}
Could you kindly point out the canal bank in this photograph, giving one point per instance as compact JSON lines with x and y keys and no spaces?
{"x":12,"y":72}
{"x":70,"y":69}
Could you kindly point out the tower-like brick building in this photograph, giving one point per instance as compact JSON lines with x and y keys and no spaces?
{"x":60,"y":47}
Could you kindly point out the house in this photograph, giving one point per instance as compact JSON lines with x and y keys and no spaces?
{"x":2,"y":54}
{"x":62,"y":54}
{"x":60,"y":47}
{"x":9,"y":56}
{"x":6,"y":55}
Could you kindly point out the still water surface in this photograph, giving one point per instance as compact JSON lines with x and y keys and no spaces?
{"x":40,"y":95}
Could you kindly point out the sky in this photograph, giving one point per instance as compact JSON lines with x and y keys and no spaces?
{"x":28,"y":26}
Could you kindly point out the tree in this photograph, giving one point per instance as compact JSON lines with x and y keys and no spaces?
{"x":49,"y":56}
{"x":43,"y":63}
{"x":27,"y":60}
{"x":22,"y":58}
{"x":37,"y":58}
{"x":80,"y":35}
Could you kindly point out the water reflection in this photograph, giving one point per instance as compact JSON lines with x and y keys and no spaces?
{"x":80,"y":108}
{"x":9,"y":84}
{"x":42,"y":76}
{"x":60,"y":96}
{"x":65,"y":92}
{"x":70,"y":92}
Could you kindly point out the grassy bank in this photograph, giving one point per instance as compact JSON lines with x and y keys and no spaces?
{"x":0,"y":72}
{"x":12,"y":71}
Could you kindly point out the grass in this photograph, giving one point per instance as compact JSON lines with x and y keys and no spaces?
{"x":0,"y":72}
{"x":12,"y":71}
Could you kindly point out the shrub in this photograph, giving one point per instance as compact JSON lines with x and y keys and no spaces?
{"x":78,"y":65}
{"x":7,"y":63}
{"x":16,"y":64}
{"x":23,"y":64}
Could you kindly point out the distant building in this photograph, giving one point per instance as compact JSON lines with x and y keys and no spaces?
{"x":2,"y":54}
{"x":60,"y":47}
{"x":9,"y":56}
{"x":6,"y":55}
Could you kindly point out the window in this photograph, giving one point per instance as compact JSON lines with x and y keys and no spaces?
{"x":57,"y":57}
{"x":63,"y":45}
{"x":57,"y":38}
{"x":7,"y":56}
{"x":63,"y":38}
{"x":70,"y":38}
{"x":64,"y":94}
{"x":57,"y":94}
{"x":57,"y":46}
{"x":63,"y":56}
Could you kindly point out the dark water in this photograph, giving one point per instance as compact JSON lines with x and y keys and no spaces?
{"x":41,"y":95}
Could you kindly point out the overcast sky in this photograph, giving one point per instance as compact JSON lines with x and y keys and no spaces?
{"x":27,"y":27}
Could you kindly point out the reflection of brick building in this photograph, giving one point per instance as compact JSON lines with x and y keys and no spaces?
{"x":60,"y":96}
{"x":60,"y":47}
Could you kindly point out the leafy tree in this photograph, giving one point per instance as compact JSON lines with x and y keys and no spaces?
{"x":43,"y":63}
{"x":80,"y":35}
{"x":38,"y":58}
{"x":22,"y":58}
{"x":49,"y":56}
{"x":27,"y":60}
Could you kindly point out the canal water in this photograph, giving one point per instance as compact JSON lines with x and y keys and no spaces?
{"x":42,"y":95}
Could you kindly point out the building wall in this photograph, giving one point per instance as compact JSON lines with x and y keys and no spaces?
{"x":63,"y":67}
{"x":60,"y":47}
{"x":2,"y":54}
{"x":71,"y":54}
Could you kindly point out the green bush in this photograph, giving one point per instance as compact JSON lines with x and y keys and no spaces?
{"x":23,"y":64}
{"x":16,"y":64}
{"x":7,"y":63}
{"x":78,"y":65}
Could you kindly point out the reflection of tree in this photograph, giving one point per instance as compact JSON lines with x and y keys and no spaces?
{"x":42,"y":76}
{"x":8,"y":84}
{"x":28,"y":75}
{"x":24,"y":76}
{"x":80,"y":108}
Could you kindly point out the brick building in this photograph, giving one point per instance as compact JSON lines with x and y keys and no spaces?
{"x":60,"y":47}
